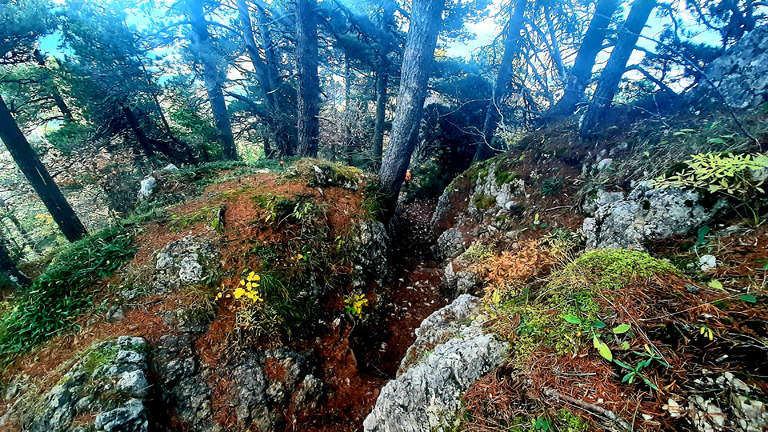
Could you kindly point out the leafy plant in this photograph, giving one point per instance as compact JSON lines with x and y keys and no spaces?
{"x":707,"y":332}
{"x":551,"y":186}
{"x":701,"y":236}
{"x":637,"y":371}
{"x":724,"y":174}
{"x":353,"y":304}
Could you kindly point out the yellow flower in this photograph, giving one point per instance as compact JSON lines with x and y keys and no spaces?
{"x":252,"y":276}
{"x":239,"y":293}
{"x":242,"y":282}
{"x":299,"y":256}
{"x":218,"y":296}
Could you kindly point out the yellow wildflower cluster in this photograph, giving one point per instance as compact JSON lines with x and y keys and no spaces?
{"x":354,"y":304}
{"x":248,"y":288}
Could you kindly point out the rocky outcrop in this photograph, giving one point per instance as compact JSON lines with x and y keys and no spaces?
{"x":459,"y":278}
{"x":262,"y":385}
{"x":105,"y":390}
{"x":645,"y":214}
{"x":450,"y":244}
{"x":497,"y":190}
{"x":427,"y":395}
{"x":369,"y":252}
{"x":741,"y":74}
{"x":184,"y":262}
{"x":721,"y":403}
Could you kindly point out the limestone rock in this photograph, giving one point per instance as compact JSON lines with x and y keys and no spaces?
{"x":428,"y":395}
{"x":647,"y":214}
{"x":148,"y":186}
{"x":130,"y":417}
{"x":741,"y":74}
{"x":370,"y":249}
{"x":450,"y":244}
{"x":184,"y":262}
{"x":109,"y":372}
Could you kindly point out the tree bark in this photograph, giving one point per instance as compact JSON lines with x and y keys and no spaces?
{"x":309,"y":82}
{"x":212,"y":76}
{"x":138,"y":132}
{"x":382,"y":81}
{"x":27,"y":160}
{"x":499,"y":92}
{"x":581,"y":73}
{"x":617,"y":65}
{"x":284,"y":127}
{"x":9,"y":267}
{"x":417,"y":66}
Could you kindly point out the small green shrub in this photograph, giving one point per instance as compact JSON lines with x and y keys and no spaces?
{"x":725,"y":174}
{"x":551,"y":186}
{"x":56,"y":297}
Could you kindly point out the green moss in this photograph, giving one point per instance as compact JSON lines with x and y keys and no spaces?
{"x":210,"y":215}
{"x":504,"y":176}
{"x":99,"y":356}
{"x":575,"y":291}
{"x":484,"y":202}
{"x":613,"y":269}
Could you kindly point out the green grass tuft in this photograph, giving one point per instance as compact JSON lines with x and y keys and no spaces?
{"x":55,"y":299}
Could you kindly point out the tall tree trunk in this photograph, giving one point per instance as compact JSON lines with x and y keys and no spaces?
{"x":9,"y":267}
{"x":27,"y":160}
{"x":309,"y":82}
{"x":617,"y":65}
{"x":262,"y":74}
{"x":284,"y":127}
{"x":382,"y":80}
{"x":417,"y":65}
{"x":213,"y":77}
{"x":555,"y":45}
{"x":581,"y":73}
{"x":253,"y":53}
{"x":499,"y":92}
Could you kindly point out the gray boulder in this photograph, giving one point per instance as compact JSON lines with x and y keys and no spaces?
{"x":109,"y":382}
{"x":464,"y":281}
{"x":647,"y":214}
{"x":184,"y":262}
{"x":450,"y":244}
{"x":148,"y":186}
{"x":130,"y":417}
{"x":370,"y":248}
{"x":427,"y":396}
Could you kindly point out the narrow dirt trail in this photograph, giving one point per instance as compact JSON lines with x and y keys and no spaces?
{"x":358,"y":369}
{"x":416,"y":291}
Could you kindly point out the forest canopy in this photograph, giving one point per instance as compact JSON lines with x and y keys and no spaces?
{"x":97,"y":94}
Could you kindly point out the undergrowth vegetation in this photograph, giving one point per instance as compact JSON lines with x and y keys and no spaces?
{"x":56,"y":297}
{"x":723,"y":174}
{"x":574,"y":305}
